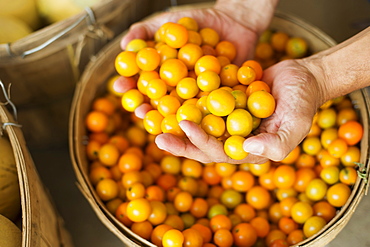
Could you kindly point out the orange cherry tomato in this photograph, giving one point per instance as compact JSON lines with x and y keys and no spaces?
{"x":261,"y":104}
{"x":139,"y":210}
{"x":261,"y":225}
{"x":223,"y":237}
{"x":351,"y":131}
{"x":207,"y":62}
{"x":192,"y":237}
{"x":228,"y":75}
{"x":220,"y":102}
{"x":152,"y":122}
{"x":175,"y":35}
{"x":227,"y":49}
{"x":173,"y":238}
{"x":148,"y":59}
{"x":172,"y":71}
{"x":125,"y":63}
{"x":301,"y":211}
{"x":244,"y":234}
{"x":158,"y":232}
{"x":338,"y":194}
{"x":213,"y":125}
{"x":209,"y":36}
{"x":284,"y":176}
{"x":189,"y":54}
{"x":239,"y":122}
{"x":258,"y":197}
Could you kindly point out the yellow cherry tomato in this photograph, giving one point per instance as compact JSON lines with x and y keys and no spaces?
{"x":239,"y":122}
{"x":220,"y":102}
{"x":233,"y":147}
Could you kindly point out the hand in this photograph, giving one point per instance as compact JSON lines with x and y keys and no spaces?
{"x":200,"y":146}
{"x":296,"y":92}
{"x":243,"y":35}
{"x":298,"y":96}
{"x":300,"y":87}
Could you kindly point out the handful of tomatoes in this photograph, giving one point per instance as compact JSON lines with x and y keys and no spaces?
{"x":173,"y":201}
{"x":187,"y":73}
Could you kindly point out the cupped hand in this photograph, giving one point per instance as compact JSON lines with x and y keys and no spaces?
{"x":243,"y":35}
{"x":198,"y":145}
{"x":298,"y":95}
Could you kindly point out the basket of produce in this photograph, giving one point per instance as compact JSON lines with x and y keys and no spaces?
{"x":27,"y":213}
{"x":148,"y":197}
{"x":44,"y":47}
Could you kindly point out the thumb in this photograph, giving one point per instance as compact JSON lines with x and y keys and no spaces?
{"x":137,"y":31}
{"x":146,"y":29}
{"x":268,"y":145}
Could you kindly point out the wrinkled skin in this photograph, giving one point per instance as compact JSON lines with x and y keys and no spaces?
{"x":242,"y":35}
{"x":292,"y":84}
{"x":295,"y":91}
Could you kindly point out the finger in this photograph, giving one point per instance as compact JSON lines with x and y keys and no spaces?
{"x":123,"y":84}
{"x":290,"y":66}
{"x":242,"y":37}
{"x":257,"y":145}
{"x":180,"y":147}
{"x":146,"y":29}
{"x":245,"y":47}
{"x":137,"y":31}
{"x":141,"y":110}
{"x":185,"y":148}
{"x":211,"y":147}
{"x":252,"y":159}
{"x":272,"y":146}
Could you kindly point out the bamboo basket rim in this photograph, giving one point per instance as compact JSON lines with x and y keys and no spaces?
{"x":86,"y":188}
{"x":45,"y":66}
{"x":320,"y":239}
{"x":28,"y":175}
{"x":91,"y":20}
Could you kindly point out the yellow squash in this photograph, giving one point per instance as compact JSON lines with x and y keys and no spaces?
{"x":10,"y":234}
{"x":10,"y":202}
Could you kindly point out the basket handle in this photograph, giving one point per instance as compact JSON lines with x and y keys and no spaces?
{"x":91,"y":20}
{"x":8,"y":101}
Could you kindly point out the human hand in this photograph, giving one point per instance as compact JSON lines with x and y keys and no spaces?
{"x":300,"y":87}
{"x":297,"y":96}
{"x":243,"y":35}
{"x":242,"y":32}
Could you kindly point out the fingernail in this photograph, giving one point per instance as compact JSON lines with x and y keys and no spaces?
{"x":253,"y":147}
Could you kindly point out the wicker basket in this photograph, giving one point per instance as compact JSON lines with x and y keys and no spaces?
{"x":92,"y":84}
{"x":41,"y":224}
{"x":45,"y":66}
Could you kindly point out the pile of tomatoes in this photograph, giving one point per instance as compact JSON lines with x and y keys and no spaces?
{"x":173,"y":201}
{"x":275,"y":46}
{"x":187,"y":73}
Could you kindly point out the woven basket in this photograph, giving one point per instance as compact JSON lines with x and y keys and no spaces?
{"x":41,"y":224}
{"x":45,"y":66}
{"x":93,"y":82}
